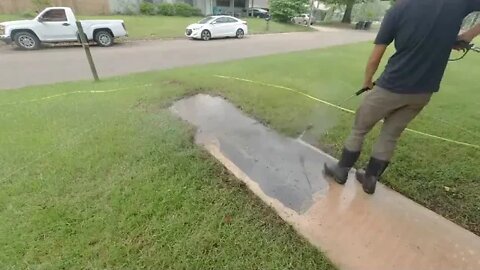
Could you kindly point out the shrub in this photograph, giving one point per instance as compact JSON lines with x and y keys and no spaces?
{"x":197,"y":12}
{"x":285,"y":10}
{"x":147,"y":8}
{"x":182,"y":9}
{"x":166,"y":9}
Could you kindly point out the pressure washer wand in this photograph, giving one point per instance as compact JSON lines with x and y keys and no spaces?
{"x":358,"y":93}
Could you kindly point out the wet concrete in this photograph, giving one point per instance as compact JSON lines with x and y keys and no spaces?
{"x":357,"y":231}
{"x":278,"y":164}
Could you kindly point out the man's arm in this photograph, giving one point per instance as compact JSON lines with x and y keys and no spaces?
{"x":385,"y":36}
{"x":373,"y":63}
{"x":470,"y":34}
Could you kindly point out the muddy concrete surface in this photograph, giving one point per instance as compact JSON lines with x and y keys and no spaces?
{"x":278,"y":164}
{"x":357,"y":231}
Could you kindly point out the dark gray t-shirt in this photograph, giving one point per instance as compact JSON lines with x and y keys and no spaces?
{"x":424,"y":32}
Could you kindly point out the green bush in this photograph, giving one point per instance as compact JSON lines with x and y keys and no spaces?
{"x":183,"y":9}
{"x":166,"y":9}
{"x":285,"y":10}
{"x":197,"y":12}
{"x":147,"y":8}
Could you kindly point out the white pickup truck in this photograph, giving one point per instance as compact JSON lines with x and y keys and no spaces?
{"x":58,"y":25}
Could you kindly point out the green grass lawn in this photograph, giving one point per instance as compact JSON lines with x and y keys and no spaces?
{"x":154,"y":27}
{"x":140,"y":27}
{"x":112,"y":180}
{"x":10,"y":17}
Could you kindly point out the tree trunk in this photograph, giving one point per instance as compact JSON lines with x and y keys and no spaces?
{"x":347,"y":17}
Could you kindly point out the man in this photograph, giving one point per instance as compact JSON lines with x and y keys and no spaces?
{"x":424,"y":31}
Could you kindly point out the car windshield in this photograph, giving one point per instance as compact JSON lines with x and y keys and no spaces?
{"x":206,"y":20}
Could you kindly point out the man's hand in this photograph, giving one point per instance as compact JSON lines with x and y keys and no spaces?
{"x":368,"y":85}
{"x":461,"y":45}
{"x":467,"y":37}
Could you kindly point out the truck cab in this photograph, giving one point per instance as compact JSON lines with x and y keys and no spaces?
{"x":58,"y":24}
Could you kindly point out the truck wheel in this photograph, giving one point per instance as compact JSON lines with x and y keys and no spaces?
{"x":103,"y":38}
{"x":26,"y":41}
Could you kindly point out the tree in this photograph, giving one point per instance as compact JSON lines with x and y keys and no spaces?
{"x":285,"y":10}
{"x":347,"y":16}
{"x":350,"y":4}
{"x":370,"y":11}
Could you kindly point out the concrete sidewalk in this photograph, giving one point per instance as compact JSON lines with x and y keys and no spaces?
{"x":355,"y":230}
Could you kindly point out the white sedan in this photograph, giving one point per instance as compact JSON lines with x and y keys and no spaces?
{"x":303,"y":19}
{"x":217,"y":27}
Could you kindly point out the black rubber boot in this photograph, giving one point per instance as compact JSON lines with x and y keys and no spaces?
{"x":339,"y":172}
{"x":369,"y":177}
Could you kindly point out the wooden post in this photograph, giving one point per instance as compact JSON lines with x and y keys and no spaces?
{"x":251,"y":8}
{"x":84,"y":41}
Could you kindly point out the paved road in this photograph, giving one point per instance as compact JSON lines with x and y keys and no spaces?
{"x":19,"y":68}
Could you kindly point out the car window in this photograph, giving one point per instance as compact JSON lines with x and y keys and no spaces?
{"x":221,"y":20}
{"x":231,"y":20}
{"x":55,"y":15}
{"x":205,"y":20}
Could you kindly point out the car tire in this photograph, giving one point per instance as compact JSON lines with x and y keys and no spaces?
{"x":206,"y":35}
{"x":104,"y":38}
{"x":26,"y":41}
{"x":240,"y":33}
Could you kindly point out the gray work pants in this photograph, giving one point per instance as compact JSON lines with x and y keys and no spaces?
{"x":397,"y":111}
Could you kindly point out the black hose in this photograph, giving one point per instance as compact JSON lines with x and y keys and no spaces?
{"x":465,"y":47}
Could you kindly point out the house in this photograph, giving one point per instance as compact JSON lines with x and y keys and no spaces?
{"x":260,"y":4}
{"x":215,"y":7}
{"x":96,"y":7}
{"x":91,"y":7}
